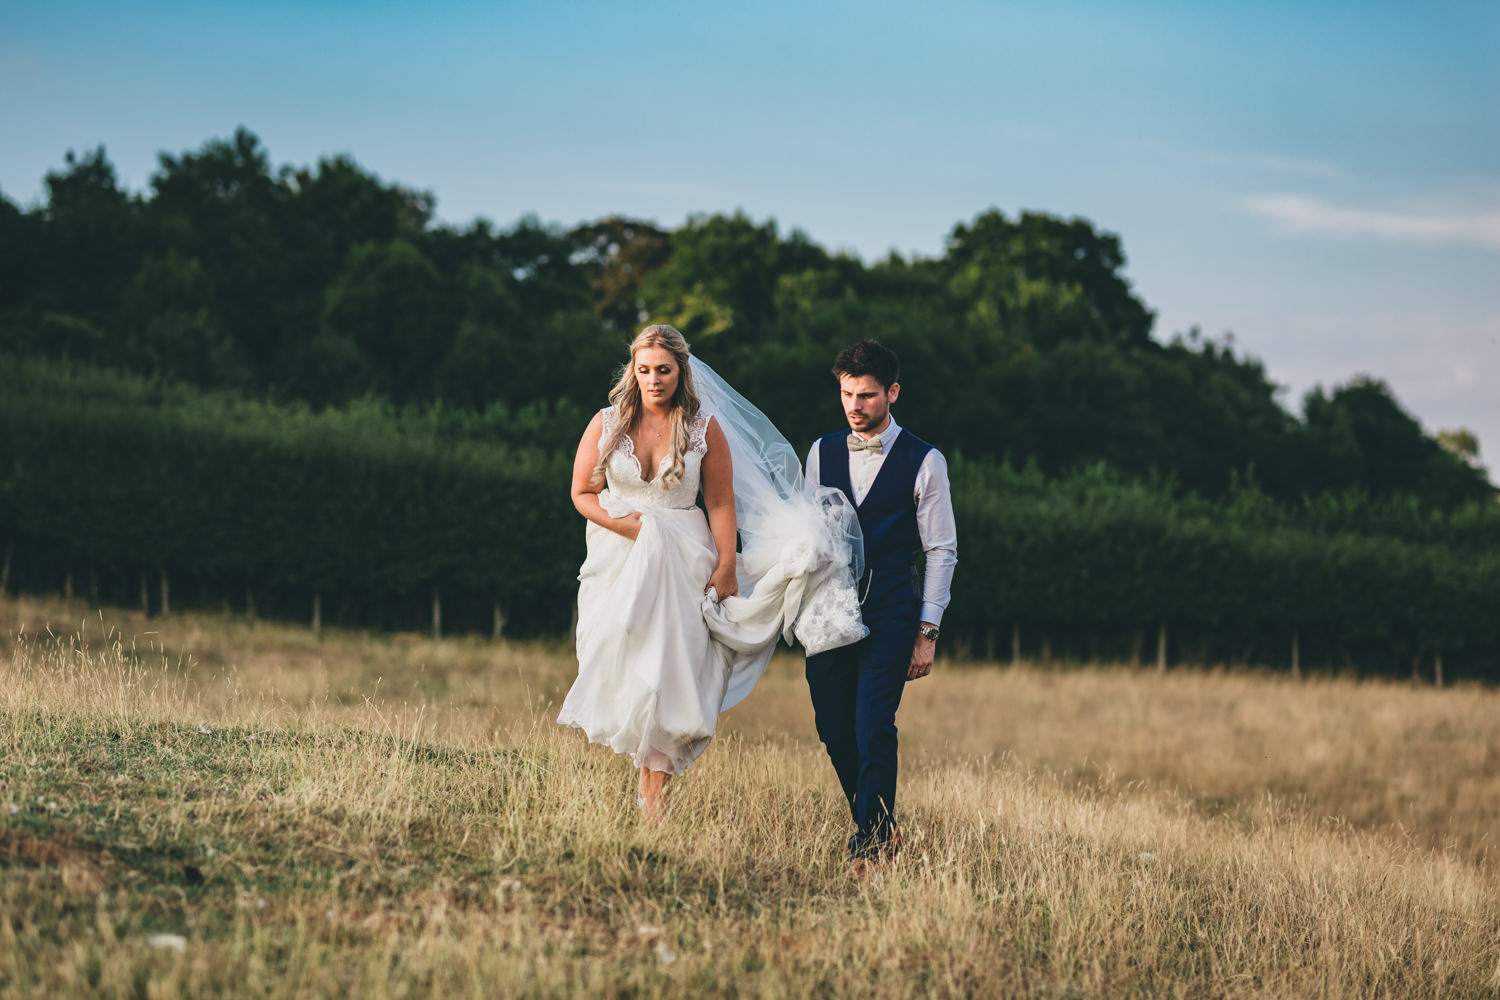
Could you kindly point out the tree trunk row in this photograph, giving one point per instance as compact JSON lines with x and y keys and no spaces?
{"x":499,"y":621}
{"x":1161,"y":653}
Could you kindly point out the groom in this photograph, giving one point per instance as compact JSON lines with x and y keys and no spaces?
{"x":899,"y":486}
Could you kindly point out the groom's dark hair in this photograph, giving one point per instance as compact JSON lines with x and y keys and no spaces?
{"x":868,"y":357}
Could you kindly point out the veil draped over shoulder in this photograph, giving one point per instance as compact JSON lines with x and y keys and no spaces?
{"x":801,"y":551}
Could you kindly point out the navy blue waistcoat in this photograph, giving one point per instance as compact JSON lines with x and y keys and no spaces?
{"x":888,"y":515}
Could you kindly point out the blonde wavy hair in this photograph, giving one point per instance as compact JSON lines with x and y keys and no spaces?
{"x":626,"y":399}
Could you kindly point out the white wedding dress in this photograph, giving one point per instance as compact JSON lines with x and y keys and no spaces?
{"x":658,"y":660}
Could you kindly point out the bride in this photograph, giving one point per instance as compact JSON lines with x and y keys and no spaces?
{"x":666,"y":640}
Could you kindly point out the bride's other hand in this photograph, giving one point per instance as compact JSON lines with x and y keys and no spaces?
{"x":724,"y":582}
{"x":629,"y":525}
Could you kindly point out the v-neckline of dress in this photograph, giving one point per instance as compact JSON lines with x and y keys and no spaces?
{"x":640,"y":470}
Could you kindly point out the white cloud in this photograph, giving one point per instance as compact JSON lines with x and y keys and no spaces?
{"x":1477,"y":227}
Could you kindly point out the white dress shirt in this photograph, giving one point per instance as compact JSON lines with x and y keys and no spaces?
{"x":935,"y":522}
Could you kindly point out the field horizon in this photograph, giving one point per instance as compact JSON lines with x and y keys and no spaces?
{"x":199,"y":804}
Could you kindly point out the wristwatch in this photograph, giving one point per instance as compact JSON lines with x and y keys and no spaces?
{"x":929,"y":632}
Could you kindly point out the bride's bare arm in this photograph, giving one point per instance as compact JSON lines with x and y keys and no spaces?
{"x":718,"y":501}
{"x":586,"y":488}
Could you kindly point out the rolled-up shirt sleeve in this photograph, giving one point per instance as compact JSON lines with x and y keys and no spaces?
{"x":939,"y":533}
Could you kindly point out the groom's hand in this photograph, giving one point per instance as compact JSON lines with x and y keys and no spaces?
{"x":921,"y":658}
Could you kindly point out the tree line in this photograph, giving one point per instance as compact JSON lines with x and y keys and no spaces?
{"x":293,"y":391}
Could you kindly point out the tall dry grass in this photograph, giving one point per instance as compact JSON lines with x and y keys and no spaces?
{"x":395,"y":817}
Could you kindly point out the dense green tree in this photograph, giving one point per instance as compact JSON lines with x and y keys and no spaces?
{"x":223,"y":207}
{"x":338,"y":205}
{"x":90,"y":239}
{"x":1375,"y":445}
{"x":720,"y":280}
{"x":540,"y":258}
{"x":168,"y":326}
{"x":389,"y":304}
{"x":478,"y":367}
{"x":618,"y":253}
{"x":1058,"y":279}
{"x":20,"y":235}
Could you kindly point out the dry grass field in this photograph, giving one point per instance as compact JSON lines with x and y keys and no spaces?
{"x":199,"y":806}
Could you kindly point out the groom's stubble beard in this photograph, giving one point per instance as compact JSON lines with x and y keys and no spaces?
{"x":867,"y":417}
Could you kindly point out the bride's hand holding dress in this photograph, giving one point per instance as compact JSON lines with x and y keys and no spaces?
{"x":586,"y":489}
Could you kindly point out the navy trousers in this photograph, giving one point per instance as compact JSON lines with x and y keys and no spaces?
{"x":855,"y":693}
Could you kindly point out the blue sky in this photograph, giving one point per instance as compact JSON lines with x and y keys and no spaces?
{"x":1320,"y":179}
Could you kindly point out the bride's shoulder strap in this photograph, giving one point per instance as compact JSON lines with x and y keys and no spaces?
{"x":698,"y":432}
{"x":611,"y":417}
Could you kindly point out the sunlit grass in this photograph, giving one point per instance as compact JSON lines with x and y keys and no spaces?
{"x":197,"y":805}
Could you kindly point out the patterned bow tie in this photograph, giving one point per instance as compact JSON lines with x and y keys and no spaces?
{"x":857,"y":443}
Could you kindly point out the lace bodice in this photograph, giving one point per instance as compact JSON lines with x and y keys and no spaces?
{"x":627,"y":481}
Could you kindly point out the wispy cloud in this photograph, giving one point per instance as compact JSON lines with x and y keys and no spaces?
{"x":1297,"y":165}
{"x":1477,"y":227}
{"x":1239,"y":162}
